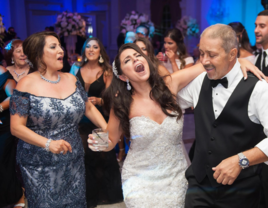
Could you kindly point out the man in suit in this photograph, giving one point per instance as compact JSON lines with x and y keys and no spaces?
{"x":261,"y":61}
{"x":261,"y":34}
{"x":230,"y":117}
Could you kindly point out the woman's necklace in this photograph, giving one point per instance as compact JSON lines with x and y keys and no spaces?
{"x":52,"y":82}
{"x":18,"y":75}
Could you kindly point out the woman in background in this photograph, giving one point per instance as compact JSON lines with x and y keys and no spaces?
{"x":103,"y":178}
{"x":245,"y":50}
{"x":11,"y":189}
{"x":175,"y":57}
{"x":16,"y":60}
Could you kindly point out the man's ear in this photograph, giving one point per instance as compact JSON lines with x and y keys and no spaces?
{"x":233,"y":54}
{"x":123,"y":77}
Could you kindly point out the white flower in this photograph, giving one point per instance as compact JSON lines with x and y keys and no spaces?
{"x":144,"y":18}
{"x":69,"y":27}
{"x":130,"y":28}
{"x":63,"y":24}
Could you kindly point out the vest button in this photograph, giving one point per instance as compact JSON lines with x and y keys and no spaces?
{"x":212,"y":138}
{"x":207,"y":166}
{"x":214,"y":125}
{"x":209,"y":152}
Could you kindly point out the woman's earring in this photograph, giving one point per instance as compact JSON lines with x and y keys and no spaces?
{"x":178,"y":53}
{"x":240,"y":45}
{"x":86,"y":59}
{"x":101,"y":59}
{"x":12,"y":61}
{"x":128,"y":85}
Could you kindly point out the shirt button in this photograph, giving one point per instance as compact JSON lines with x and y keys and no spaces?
{"x":215,"y":110}
{"x":209,"y":152}
{"x":216,"y":93}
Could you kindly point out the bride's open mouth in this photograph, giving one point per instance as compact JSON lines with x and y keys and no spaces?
{"x":139,"y":68}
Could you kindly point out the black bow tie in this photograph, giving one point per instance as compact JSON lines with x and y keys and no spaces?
{"x":223,"y":81}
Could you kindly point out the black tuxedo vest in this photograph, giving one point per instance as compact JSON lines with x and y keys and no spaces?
{"x":231,"y":133}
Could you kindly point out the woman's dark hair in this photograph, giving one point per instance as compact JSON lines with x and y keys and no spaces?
{"x":15,"y":43}
{"x":117,"y":96}
{"x":240,"y":30}
{"x":106,"y":67}
{"x":149,"y":48}
{"x":176,"y":35}
{"x":33,"y":48}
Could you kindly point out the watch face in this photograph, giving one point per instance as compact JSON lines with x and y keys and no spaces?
{"x":244,"y":162}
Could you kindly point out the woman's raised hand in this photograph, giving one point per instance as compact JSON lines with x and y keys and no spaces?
{"x":60,"y":147}
{"x":171,"y":55}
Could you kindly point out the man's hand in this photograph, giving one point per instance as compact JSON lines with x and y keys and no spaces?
{"x":227,"y":171}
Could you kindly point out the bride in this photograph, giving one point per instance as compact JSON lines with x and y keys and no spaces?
{"x":143,"y":107}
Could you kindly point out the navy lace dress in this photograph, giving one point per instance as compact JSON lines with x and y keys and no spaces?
{"x":52,"y":180}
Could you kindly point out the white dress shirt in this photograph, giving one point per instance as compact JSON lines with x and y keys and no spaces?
{"x":258,"y":102}
{"x":266,"y":59}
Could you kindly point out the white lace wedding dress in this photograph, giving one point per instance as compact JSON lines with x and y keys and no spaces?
{"x":153,"y":174}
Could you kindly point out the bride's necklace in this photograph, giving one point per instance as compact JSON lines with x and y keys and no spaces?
{"x":18,"y":75}
{"x":52,"y":82}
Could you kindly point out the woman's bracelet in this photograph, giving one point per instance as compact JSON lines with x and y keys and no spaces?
{"x":122,"y":149}
{"x":47,"y":145}
{"x":1,"y":109}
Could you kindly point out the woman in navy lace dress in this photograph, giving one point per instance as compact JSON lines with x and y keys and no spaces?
{"x":46,"y":107}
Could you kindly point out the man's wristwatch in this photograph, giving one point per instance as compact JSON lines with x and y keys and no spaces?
{"x":243,"y":161}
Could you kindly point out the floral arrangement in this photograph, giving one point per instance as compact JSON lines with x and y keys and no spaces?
{"x":134,"y":19}
{"x":2,"y":30}
{"x":69,"y":23}
{"x":188,"y":26}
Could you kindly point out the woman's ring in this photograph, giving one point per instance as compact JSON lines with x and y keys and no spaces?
{"x":61,"y":152}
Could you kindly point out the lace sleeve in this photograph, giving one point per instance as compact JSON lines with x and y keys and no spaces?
{"x":19,"y":103}
{"x":81,"y":90}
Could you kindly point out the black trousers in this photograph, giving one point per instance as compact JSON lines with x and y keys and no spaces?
{"x":264,"y":182}
{"x":244,"y":193}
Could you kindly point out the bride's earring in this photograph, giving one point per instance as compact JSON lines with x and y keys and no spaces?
{"x":101,"y":59}
{"x":86,"y":59}
{"x":12,"y":61}
{"x":178,"y":53}
{"x":128,"y":85}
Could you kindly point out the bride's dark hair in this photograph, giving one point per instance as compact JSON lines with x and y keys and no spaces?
{"x":117,"y":96}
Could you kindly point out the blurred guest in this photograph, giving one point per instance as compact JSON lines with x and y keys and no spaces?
{"x":196,"y":54}
{"x":175,"y":56}
{"x":142,"y":31}
{"x":130,"y":37}
{"x":103,"y":179}
{"x":120,"y":39}
{"x":2,"y":60}
{"x":45,"y":110}
{"x":261,"y":34}
{"x":245,"y":50}
{"x":10,"y":34}
{"x":51,"y":28}
{"x":16,"y":60}
{"x":11,"y":191}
